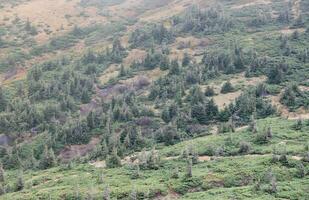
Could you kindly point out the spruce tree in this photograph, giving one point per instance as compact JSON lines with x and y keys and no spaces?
{"x":20,"y":183}
{"x":189,"y":168}
{"x":48,"y":158}
{"x":106,"y":194}
{"x":113,"y":160}
{"x":2,"y":177}
{"x":3,"y":100}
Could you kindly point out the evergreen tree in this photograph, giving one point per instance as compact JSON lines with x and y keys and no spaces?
{"x":186,"y":60}
{"x":2,"y":177}
{"x":113,"y":160}
{"x":166,"y":115}
{"x":48,"y":158}
{"x":133,"y":195}
{"x":20,"y":183}
{"x":189,"y":168}
{"x":122,"y":72}
{"x":209,"y":92}
{"x":275,"y":75}
{"x":91,"y":120}
{"x":3,"y":100}
{"x":106,"y":194}
{"x":227,"y":88}
{"x":174,"y":68}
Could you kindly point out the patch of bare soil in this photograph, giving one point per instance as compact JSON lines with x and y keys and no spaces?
{"x":223,"y":100}
{"x":13,"y":75}
{"x":300,"y":113}
{"x":204,"y":158}
{"x":98,"y":164}
{"x":171,"y":195}
{"x":289,"y":31}
{"x":74,"y":151}
{"x":135,"y":55}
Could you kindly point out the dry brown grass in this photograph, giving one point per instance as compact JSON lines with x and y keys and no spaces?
{"x":58,"y":16}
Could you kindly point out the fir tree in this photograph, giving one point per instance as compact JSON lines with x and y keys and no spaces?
{"x":2,"y":177}
{"x":113,"y":160}
{"x":106,"y":194}
{"x":48,"y":158}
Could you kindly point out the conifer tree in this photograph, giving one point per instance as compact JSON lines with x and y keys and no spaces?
{"x":48,"y":158}
{"x":113,"y":160}
{"x":106,"y":194}
{"x":2,"y":176}
{"x":20,"y":183}
{"x":189,"y":168}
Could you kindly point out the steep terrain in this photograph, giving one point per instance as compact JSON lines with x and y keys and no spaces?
{"x":154,"y":99}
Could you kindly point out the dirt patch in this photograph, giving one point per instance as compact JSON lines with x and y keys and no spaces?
{"x":13,"y":75}
{"x":300,"y":113}
{"x":98,"y":164}
{"x":74,"y":151}
{"x":223,"y":100}
{"x":171,"y":195}
{"x":135,"y":55}
{"x":289,"y":31}
{"x":239,"y":80}
{"x":204,"y":158}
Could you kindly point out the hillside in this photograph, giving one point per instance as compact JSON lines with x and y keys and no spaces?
{"x":154,"y":99}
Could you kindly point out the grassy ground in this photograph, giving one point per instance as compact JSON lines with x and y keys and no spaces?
{"x":230,"y":176}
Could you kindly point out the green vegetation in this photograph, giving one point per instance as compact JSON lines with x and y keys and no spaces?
{"x":193,"y":120}
{"x":257,"y":174}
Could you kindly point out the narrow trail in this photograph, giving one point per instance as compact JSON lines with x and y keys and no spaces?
{"x":101,"y":164}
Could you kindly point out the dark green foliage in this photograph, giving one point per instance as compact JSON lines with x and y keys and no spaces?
{"x":174,"y":68}
{"x":106,"y":194}
{"x":30,"y":28}
{"x":264,"y":137}
{"x":186,"y":60}
{"x":227,"y":88}
{"x":248,"y":103}
{"x":209,"y":92}
{"x":20,"y":183}
{"x":48,"y":159}
{"x":294,"y":98}
{"x":189,"y":168}
{"x":2,"y":176}
{"x":113,"y":160}
{"x":3,"y":100}
{"x":244,"y":147}
{"x":169,"y":135}
{"x":275,"y":75}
